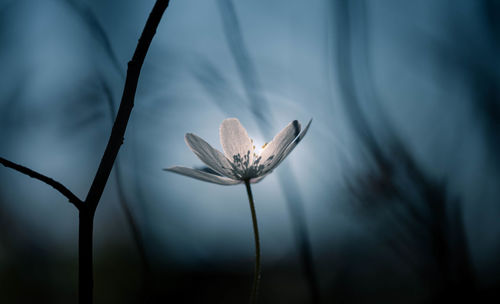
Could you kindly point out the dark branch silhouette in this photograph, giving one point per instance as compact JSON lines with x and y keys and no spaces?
{"x":124,"y":204}
{"x":49,"y":181}
{"x":114,"y":143}
{"x":88,"y":207}
{"x":126,"y":105}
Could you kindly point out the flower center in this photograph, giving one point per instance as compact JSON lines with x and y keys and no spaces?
{"x":258,"y":151}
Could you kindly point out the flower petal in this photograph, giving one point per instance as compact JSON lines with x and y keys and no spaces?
{"x":237,"y":146}
{"x":280,"y":142}
{"x":284,"y":153}
{"x":258,"y":179}
{"x":292,"y":146}
{"x":204,"y":176}
{"x":210,"y":156}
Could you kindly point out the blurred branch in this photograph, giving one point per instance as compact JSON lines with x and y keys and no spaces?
{"x":248,"y":73}
{"x":90,"y":18}
{"x":347,"y":85}
{"x":425,"y":200}
{"x":223,"y":93}
{"x":49,"y":181}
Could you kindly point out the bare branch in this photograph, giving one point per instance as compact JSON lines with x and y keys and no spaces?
{"x":49,"y":181}
{"x":126,"y":105}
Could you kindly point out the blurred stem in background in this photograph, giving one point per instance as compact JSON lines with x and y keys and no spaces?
{"x":256,"y":279}
{"x":88,"y":207}
{"x":438,"y":222}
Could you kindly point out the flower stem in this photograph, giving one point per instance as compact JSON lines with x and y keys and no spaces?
{"x":256,"y":278}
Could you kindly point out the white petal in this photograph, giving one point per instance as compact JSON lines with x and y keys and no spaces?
{"x":258,"y":179}
{"x":284,"y":153}
{"x":279,"y":143}
{"x":237,"y":146}
{"x":204,"y":176}
{"x":210,"y":156}
{"x":294,"y":144}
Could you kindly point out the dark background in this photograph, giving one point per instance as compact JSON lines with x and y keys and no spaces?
{"x":394,"y":191}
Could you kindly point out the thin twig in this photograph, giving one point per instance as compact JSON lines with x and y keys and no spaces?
{"x":126,"y":104}
{"x":88,"y":207}
{"x":49,"y":181}
{"x":124,"y":204}
{"x":108,"y":159}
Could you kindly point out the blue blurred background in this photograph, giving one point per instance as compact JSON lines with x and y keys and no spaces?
{"x":394,"y":192}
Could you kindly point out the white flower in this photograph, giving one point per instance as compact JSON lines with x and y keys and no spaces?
{"x":240,"y":162}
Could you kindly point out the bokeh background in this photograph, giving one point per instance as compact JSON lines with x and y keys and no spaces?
{"x":392,"y":197}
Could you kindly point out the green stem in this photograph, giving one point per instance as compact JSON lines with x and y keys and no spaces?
{"x":256,"y":278}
